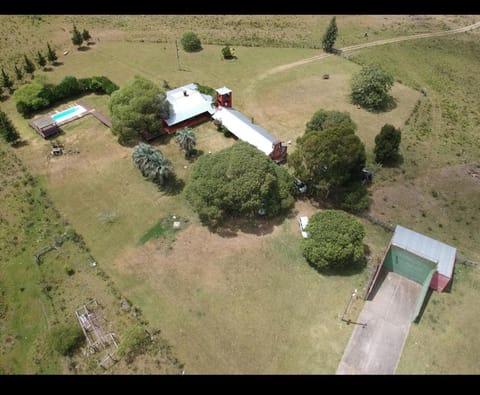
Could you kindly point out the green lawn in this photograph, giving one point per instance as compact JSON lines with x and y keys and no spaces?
{"x":249,"y":303}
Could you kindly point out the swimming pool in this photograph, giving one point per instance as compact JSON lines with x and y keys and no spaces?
{"x":69,"y":113}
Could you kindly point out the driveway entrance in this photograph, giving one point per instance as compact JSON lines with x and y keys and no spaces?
{"x":375,"y":348}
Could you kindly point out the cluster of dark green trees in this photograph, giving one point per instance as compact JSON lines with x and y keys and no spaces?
{"x":32,"y":97}
{"x":330,"y":158}
{"x":28,"y":67}
{"x":78,"y":38}
{"x":8,"y":132}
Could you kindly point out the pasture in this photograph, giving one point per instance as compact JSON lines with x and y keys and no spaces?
{"x":248,"y":302}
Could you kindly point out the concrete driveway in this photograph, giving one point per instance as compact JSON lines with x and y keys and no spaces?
{"x":376,"y":347}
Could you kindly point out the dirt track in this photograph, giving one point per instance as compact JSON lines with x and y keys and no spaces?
{"x":352,"y":48}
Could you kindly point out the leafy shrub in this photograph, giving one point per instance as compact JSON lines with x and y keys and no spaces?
{"x":370,"y":87}
{"x":190,"y":42}
{"x":132,"y":342}
{"x":335,"y":241}
{"x":227,"y":52}
{"x":206,"y":90}
{"x":387,"y":144}
{"x":69,"y":270}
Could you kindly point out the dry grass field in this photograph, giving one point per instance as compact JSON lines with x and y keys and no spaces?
{"x":248,"y":302}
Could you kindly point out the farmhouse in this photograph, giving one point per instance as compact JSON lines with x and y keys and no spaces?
{"x":188,"y":107}
{"x":45,"y":126}
{"x":420,"y":258}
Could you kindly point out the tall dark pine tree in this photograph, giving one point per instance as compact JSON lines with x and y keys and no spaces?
{"x":18,"y":72}
{"x":86,"y":35}
{"x":51,"y":55}
{"x":41,"y":59}
{"x":29,"y":67}
{"x":77,"y":38}
{"x":7,"y":130}
{"x":6,"y":81}
{"x":330,"y":36}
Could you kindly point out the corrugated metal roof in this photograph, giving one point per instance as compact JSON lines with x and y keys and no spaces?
{"x":43,"y":122}
{"x":426,"y":247}
{"x":245,"y":130}
{"x":187,"y":102}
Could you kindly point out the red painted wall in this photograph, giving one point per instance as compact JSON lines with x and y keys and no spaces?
{"x":439,"y":282}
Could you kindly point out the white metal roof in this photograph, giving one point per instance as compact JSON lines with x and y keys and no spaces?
{"x":187,"y":102}
{"x":244,"y":129}
{"x":426,"y":247}
{"x":223,"y":91}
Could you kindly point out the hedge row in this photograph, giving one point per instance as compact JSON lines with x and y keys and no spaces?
{"x":34,"y":97}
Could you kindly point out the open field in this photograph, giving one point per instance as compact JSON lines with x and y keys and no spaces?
{"x":27,"y":34}
{"x":249,"y":303}
{"x":34,"y":298}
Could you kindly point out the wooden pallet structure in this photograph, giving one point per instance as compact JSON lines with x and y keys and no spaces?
{"x":89,"y":319}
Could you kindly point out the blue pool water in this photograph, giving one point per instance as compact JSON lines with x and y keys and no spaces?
{"x":69,"y":113}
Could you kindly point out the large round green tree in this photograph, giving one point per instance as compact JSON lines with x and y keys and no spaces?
{"x":136,"y":109}
{"x":238,"y":181}
{"x":370,"y":87}
{"x":335,"y":240}
{"x":324,"y":119}
{"x":328,"y":160}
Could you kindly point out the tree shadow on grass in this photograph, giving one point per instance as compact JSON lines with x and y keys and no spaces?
{"x":57,"y":63}
{"x":394,"y":162}
{"x":340,"y":271}
{"x":388,"y":105}
{"x":20,"y":143}
{"x":258,"y":226}
{"x":173,"y":186}
{"x":84,"y":48}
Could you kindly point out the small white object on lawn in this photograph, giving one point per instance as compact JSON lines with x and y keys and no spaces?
{"x":303,"y":222}
{"x":176,"y":225}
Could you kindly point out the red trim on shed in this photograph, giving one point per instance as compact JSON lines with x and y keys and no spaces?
{"x":439,"y":282}
{"x":188,"y":122}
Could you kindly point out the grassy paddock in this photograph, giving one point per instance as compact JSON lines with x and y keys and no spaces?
{"x":249,"y":303}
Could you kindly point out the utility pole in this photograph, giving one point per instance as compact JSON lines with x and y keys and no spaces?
{"x":178,"y":58}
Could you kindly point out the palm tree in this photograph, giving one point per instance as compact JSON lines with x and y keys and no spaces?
{"x":152,"y":163}
{"x":186,"y":139}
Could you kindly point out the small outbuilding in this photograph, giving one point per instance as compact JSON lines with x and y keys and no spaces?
{"x":45,"y":126}
{"x":423,"y":248}
{"x":244,"y":129}
{"x":419,"y":258}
